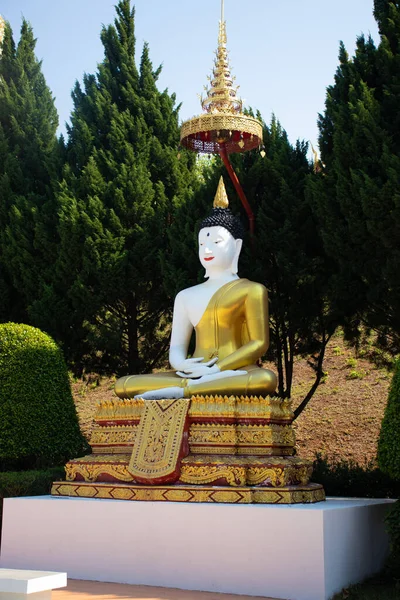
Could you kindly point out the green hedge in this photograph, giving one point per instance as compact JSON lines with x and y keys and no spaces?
{"x":393,"y":527}
{"x":348,"y":479}
{"x":389,"y":461}
{"x":27,"y":483}
{"x":389,"y":439}
{"x":38,"y":421}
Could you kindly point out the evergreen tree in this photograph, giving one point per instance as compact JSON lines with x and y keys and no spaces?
{"x":289,"y":258}
{"x":356,"y":195}
{"x":121,"y":181}
{"x":29,"y":155}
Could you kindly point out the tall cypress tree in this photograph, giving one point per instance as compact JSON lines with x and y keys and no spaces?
{"x":29,"y":155}
{"x":289,"y":258}
{"x":121,"y":181}
{"x":356,"y":196}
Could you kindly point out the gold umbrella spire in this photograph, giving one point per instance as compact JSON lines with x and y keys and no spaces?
{"x":2,"y":31}
{"x":222,"y":126}
{"x":222,"y":94}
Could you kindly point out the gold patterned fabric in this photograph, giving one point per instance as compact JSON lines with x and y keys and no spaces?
{"x":158,"y":446}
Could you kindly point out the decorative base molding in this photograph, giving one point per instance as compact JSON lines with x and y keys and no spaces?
{"x":221,"y":470}
{"x":310,"y":493}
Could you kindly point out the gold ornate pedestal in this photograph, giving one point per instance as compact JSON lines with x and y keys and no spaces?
{"x":207,"y":449}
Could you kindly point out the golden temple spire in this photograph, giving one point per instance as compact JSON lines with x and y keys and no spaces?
{"x":221,"y":197}
{"x":222,"y":94}
{"x":222,"y":127}
{"x":2,"y":30}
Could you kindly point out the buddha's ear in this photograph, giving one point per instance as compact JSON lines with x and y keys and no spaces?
{"x":235,"y":261}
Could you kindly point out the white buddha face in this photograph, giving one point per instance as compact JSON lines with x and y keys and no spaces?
{"x":218,"y":250}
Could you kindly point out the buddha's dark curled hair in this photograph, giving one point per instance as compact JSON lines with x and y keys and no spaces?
{"x":223,"y":217}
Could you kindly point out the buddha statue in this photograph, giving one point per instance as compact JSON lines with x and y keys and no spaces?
{"x":230,"y":319}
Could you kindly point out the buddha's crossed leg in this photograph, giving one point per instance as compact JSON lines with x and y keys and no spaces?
{"x":251,"y":381}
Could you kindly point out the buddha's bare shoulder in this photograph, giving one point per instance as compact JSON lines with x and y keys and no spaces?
{"x":189,"y":292}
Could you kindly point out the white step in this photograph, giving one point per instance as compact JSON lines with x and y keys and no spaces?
{"x":18,"y":584}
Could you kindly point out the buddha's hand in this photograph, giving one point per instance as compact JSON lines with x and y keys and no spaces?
{"x":164,"y":393}
{"x":194,"y":367}
{"x":213,"y":377}
{"x":200,"y":370}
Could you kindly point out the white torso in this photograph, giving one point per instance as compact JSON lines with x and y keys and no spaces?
{"x":197,"y":298}
{"x":218,"y":253}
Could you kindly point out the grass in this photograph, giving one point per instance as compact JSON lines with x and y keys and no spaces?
{"x":377,"y":588}
{"x":356,"y":375}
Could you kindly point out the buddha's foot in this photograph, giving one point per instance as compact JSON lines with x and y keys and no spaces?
{"x":170,"y":392}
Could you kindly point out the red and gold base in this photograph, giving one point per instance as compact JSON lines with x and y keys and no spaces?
{"x":221,"y":470}
{"x":206,"y":449}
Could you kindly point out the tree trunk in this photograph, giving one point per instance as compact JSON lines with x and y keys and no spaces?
{"x":318,"y":376}
{"x":281,"y":389}
{"x":133,"y":337}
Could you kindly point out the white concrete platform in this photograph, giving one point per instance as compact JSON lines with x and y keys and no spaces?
{"x":295,"y":552}
{"x":18,"y":584}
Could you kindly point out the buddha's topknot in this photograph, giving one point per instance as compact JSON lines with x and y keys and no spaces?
{"x":223,"y":217}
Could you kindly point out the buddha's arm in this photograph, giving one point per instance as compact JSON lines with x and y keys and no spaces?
{"x":181,"y":331}
{"x":256,"y":312}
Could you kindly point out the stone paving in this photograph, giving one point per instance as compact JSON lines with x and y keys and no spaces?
{"x":97,"y":590}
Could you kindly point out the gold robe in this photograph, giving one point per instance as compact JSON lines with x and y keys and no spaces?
{"x":234,"y":327}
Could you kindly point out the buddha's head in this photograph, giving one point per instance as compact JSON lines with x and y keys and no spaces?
{"x":220,"y":238}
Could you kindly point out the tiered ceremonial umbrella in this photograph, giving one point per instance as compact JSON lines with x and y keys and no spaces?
{"x":223,"y":128}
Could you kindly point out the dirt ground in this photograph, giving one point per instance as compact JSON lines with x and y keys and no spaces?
{"x":342,"y":420}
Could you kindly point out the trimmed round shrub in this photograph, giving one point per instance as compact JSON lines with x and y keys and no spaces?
{"x":38,"y":421}
{"x":389,"y":462}
{"x":389,"y":439}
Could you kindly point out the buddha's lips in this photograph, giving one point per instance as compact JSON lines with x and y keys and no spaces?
{"x":209,"y":258}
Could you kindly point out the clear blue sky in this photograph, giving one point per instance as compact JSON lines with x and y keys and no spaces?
{"x":283,"y":53}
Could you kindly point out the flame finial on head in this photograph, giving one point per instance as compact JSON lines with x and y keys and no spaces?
{"x":221,"y":197}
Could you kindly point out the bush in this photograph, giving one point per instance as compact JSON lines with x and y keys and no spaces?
{"x":393,"y":528}
{"x":38,"y":421}
{"x":27,"y":483}
{"x":389,"y":461}
{"x":389,"y":439}
{"x":348,"y":479}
